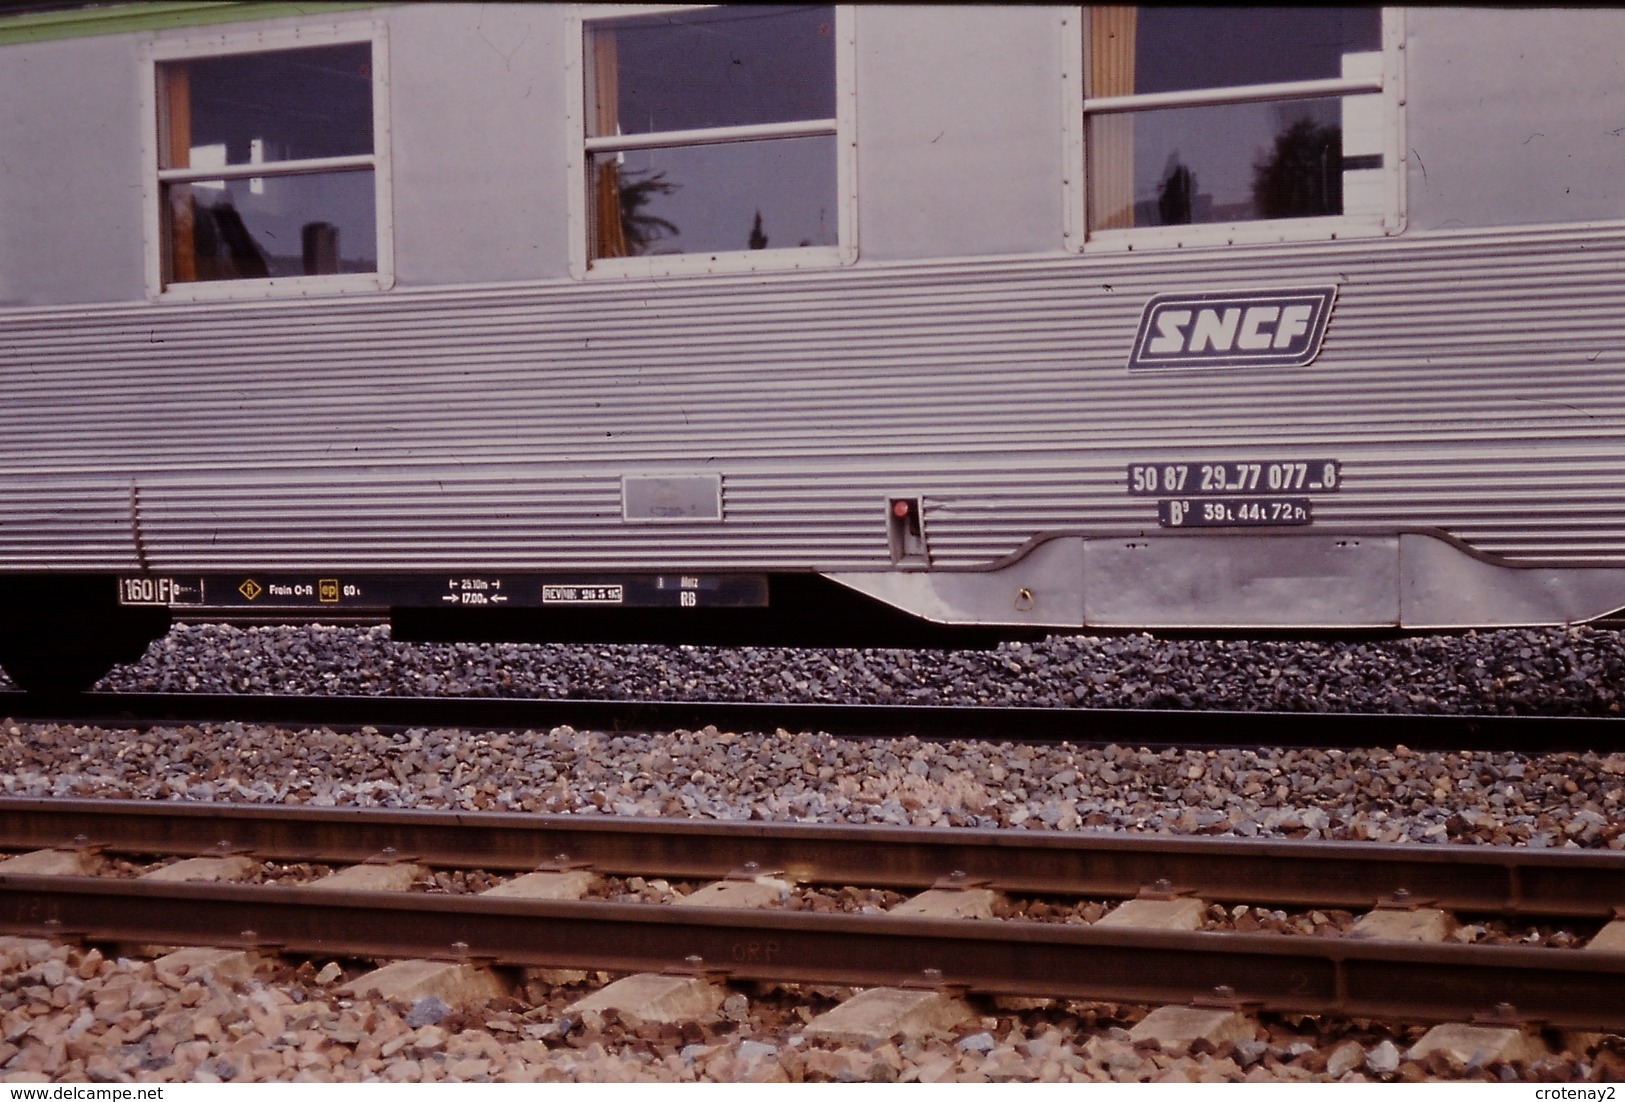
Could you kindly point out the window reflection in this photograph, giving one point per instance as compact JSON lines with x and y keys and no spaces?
{"x":285,"y":105}
{"x":1281,"y":152}
{"x":315,"y":224}
{"x":730,"y":66}
{"x":711,"y":131}
{"x":1240,"y":162}
{"x":1181,"y":49}
{"x":716,"y":198}
{"x":277,"y":111}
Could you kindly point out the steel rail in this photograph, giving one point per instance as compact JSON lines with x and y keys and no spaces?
{"x":1155,"y":728}
{"x":1356,"y":875}
{"x":1312,"y":975}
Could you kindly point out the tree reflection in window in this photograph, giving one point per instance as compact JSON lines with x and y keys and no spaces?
{"x":711,"y":130}
{"x":1303,"y":177}
{"x":1226,"y":115}
{"x":641,"y":229}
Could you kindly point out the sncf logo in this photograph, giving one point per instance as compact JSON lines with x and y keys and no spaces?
{"x":1233,"y":329}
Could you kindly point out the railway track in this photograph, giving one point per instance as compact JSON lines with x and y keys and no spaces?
{"x":1150,"y":728}
{"x":1375,"y":977}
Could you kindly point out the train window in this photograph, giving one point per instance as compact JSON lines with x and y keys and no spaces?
{"x":267,"y":172}
{"x":1207,"y":125}
{"x":712,"y":139}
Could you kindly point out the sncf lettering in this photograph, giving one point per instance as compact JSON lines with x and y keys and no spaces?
{"x":1215,"y":331}
{"x":1171,"y":332}
{"x":1294,"y":323}
{"x":1252,"y":336}
{"x":1233,"y":329}
{"x":1219,"y":332}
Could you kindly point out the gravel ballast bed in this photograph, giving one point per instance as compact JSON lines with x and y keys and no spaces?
{"x":1364,"y":795}
{"x":75,"y":1015}
{"x":1395,"y":795}
{"x":1556,"y":671}
{"x":1376,"y":794}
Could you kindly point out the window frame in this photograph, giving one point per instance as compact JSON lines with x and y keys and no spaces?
{"x":579,"y":147}
{"x":164,"y":47}
{"x":1080,"y":236}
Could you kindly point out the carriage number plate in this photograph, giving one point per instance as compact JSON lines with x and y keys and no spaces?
{"x":1294,"y":476}
{"x":1232,"y":512}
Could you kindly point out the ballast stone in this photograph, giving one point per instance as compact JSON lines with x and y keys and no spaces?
{"x":1383,"y":1059}
{"x":1344,"y":1059}
{"x":32,"y":949}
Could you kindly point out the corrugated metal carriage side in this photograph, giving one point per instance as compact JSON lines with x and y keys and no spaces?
{"x":1313,"y":329}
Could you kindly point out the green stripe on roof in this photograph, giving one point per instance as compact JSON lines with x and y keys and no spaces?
{"x":162,"y":15}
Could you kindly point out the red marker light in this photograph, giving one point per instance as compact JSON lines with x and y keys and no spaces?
{"x":900,"y":508}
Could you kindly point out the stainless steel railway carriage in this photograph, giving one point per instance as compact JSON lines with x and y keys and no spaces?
{"x":869,"y":324}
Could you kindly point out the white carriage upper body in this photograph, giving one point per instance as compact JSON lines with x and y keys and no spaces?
{"x":489,"y":386}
